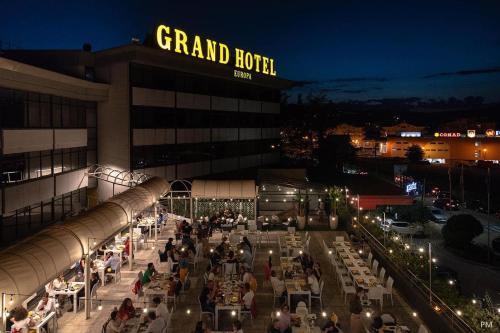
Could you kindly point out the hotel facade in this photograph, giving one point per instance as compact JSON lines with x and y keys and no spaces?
{"x":134,"y":107}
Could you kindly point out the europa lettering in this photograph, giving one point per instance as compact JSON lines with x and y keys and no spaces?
{"x":177,"y":40}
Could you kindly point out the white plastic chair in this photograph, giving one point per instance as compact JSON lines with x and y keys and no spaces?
{"x":347,"y":287}
{"x":388,"y":288}
{"x":375,"y":267}
{"x":321,"y":285}
{"x":381,"y":275}
{"x":291,"y":230}
{"x":370,"y":258}
{"x":117,"y":276}
{"x":376,"y":293}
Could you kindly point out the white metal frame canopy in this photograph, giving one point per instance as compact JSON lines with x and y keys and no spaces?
{"x":27,"y":266}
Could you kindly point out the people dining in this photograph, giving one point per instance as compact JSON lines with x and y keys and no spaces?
{"x":149,"y":273}
{"x":247,"y":244}
{"x":284,"y":319}
{"x":207,"y":297}
{"x":237,"y":327}
{"x":313,"y":282}
{"x":331,"y":326}
{"x":274,"y":328}
{"x":156,"y":324}
{"x":278,"y":286}
{"x":377,"y":325}
{"x":114,"y":324}
{"x":111,"y":262}
{"x":161,"y":309}
{"x":201,"y":327}
{"x":248,"y":296}
{"x":46,"y":304}
{"x":20,"y":320}
{"x":126,"y":310}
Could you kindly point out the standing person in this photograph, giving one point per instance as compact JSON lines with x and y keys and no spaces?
{"x":355,"y":307}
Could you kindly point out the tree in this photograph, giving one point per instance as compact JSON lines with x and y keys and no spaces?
{"x":333,"y":151}
{"x":460,"y":230}
{"x":415,"y":153}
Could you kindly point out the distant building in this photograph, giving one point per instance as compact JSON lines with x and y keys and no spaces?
{"x":403,"y":129}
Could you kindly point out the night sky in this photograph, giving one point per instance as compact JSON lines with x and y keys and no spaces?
{"x":347,"y":49}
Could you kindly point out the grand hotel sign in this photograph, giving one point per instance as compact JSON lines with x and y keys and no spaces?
{"x":176,"y":40}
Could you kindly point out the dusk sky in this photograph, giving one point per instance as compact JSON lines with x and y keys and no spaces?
{"x":348,"y":49}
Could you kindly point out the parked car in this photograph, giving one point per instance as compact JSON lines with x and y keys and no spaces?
{"x":404,"y":228}
{"x":438,"y":215}
{"x":446,"y":204}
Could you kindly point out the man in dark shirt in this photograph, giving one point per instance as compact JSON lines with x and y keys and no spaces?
{"x":207,"y":297}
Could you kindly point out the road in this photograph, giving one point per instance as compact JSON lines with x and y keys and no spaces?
{"x":475,"y":278}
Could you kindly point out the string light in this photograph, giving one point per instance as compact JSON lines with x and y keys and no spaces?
{"x":451,"y":282}
{"x":99,"y":307}
{"x":459,"y":313}
{"x":390,"y":250}
{"x":233,"y":313}
{"x":300,"y":252}
{"x":270,"y":251}
{"x":368,"y":314}
{"x":421,"y":250}
{"x":145,"y":310}
{"x":330,"y":252}
{"x":474,"y":301}
{"x":11,"y":300}
{"x":278,"y":313}
{"x":323,"y":314}
{"x":188,"y":311}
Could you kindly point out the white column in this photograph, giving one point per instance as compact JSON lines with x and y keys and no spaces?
{"x":131,"y":243}
{"x":87,"y":283}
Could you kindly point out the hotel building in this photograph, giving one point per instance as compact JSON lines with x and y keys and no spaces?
{"x":131,"y":108}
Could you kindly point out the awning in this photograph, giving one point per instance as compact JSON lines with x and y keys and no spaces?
{"x":32,"y":263}
{"x":223,"y":189}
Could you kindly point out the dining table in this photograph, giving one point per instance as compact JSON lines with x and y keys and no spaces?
{"x":228,"y":298}
{"x":70,"y":289}
{"x":295,"y":280}
{"x":42,"y":322}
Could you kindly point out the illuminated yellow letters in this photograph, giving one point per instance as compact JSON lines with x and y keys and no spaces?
{"x":265,"y":61}
{"x":271,"y":65}
{"x":239,"y":58}
{"x":164,"y":41}
{"x":257,"y":58}
{"x":197,"y":51}
{"x":223,"y":53}
{"x":211,"y":45}
{"x":178,"y":41}
{"x":181,"y":40}
{"x":248,"y":61}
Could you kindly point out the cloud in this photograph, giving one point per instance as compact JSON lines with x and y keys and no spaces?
{"x":491,"y":70}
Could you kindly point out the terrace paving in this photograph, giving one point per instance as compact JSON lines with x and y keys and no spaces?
{"x":182,"y":322}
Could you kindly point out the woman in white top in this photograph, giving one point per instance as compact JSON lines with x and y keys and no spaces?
{"x":46,"y":304}
{"x":312,"y":281}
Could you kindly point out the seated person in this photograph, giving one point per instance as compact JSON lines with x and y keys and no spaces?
{"x":230,"y":257}
{"x":207,"y":297}
{"x":248,"y":296}
{"x":114,"y":324}
{"x":377,"y":325}
{"x":161,"y":309}
{"x":278,"y":285}
{"x":46,"y":304}
{"x":149,"y":273}
{"x":275,"y":327}
{"x":312,"y":281}
{"x":111,"y":263}
{"x":156,"y":324}
{"x":21,"y":322}
{"x":126,"y":310}
{"x":285,"y":319}
{"x":332,"y":325}
{"x":247,"y":243}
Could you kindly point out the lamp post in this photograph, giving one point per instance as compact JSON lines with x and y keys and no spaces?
{"x":488,"y":181}
{"x":131,"y":242}
{"x":3,"y":319}
{"x":430,"y":274}
{"x":87,"y":281}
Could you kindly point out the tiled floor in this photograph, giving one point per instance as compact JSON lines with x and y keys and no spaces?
{"x":182,"y":322}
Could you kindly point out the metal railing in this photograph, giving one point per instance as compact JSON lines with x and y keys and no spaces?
{"x":438,"y":306}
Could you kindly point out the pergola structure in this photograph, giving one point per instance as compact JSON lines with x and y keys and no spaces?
{"x":211,"y":196}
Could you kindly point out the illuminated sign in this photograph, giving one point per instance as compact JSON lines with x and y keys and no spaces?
{"x":447,"y":134}
{"x":497,"y":133}
{"x":411,"y":187}
{"x":471,"y":133}
{"x":490,"y":132}
{"x":176,"y":40}
{"x":411,"y":134}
